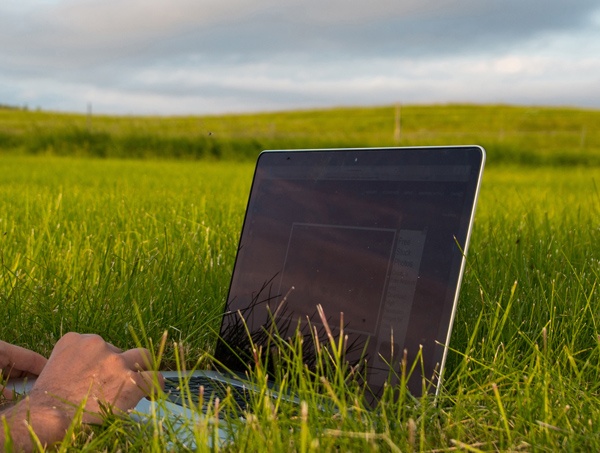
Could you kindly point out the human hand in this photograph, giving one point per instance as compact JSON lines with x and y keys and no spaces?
{"x":85,"y":368}
{"x":18,"y":362}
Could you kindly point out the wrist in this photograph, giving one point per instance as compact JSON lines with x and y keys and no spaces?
{"x":33,"y":413}
{"x":49,"y":409}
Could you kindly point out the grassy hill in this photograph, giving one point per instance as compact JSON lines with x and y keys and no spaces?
{"x":525,"y":135}
{"x":129,"y":246}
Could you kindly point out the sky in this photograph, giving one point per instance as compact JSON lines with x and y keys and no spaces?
{"x":180,"y":57}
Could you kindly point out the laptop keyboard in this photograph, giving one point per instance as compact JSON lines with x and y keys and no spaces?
{"x":212,"y":389}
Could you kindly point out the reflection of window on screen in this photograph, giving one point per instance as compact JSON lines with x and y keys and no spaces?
{"x":344,"y":269}
{"x":398,"y":302}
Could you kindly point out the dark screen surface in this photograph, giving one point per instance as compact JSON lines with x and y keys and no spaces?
{"x":374,"y":236}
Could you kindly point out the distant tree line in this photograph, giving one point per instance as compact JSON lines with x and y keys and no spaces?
{"x":20,"y":108}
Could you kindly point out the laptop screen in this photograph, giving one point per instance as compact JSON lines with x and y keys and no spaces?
{"x":374,"y":236}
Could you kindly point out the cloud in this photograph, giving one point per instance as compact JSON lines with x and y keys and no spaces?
{"x":81,"y":32}
{"x":197,"y":55}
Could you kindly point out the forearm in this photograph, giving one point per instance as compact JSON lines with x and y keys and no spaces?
{"x":47,"y":422}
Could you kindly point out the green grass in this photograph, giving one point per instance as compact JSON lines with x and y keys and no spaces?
{"x":525,"y":135}
{"x":92,"y":224}
{"x":85,"y":240}
{"x":81,"y":240}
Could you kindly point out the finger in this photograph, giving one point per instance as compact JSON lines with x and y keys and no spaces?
{"x":7,"y":393}
{"x":16,"y":374}
{"x":138,"y":359}
{"x":23,"y":360}
{"x":113,"y":348}
{"x":149,"y":381}
{"x":136,"y":386}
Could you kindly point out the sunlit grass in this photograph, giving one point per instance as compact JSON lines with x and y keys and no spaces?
{"x":109,"y":246}
{"x":83,"y":240}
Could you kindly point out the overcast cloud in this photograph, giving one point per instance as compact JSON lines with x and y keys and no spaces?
{"x":215,"y":56}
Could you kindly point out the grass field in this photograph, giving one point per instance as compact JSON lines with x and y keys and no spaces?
{"x":84,"y":240}
{"x":525,"y":135}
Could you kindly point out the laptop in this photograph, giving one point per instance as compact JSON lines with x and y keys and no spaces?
{"x":371,"y":241}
